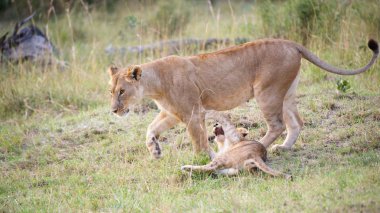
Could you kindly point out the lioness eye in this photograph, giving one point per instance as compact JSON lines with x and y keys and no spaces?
{"x":122,"y":91}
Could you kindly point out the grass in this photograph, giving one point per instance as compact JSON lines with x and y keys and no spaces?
{"x":95,"y":161}
{"x":61,"y":149}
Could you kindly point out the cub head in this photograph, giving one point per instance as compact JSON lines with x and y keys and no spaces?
{"x":219,"y":133}
{"x":243,"y":132}
{"x":125,"y":88}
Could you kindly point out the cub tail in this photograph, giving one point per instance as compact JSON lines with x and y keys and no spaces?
{"x":257,"y":161}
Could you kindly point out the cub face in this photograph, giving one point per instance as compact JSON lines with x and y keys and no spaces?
{"x":218,"y":131}
{"x":125,"y":88}
{"x":243,"y":132}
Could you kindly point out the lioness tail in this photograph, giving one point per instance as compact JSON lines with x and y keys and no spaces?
{"x":372,"y":44}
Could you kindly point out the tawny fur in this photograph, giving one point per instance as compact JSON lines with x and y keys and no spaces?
{"x":242,"y":155}
{"x":223,"y":142}
{"x":187,"y":88}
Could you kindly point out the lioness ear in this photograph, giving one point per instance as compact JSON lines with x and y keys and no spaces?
{"x":134,"y":73}
{"x":112,"y":70}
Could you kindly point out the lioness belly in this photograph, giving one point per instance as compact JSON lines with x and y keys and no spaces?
{"x":227,"y":99}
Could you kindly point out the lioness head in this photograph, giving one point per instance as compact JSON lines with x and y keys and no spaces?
{"x":125,"y":88}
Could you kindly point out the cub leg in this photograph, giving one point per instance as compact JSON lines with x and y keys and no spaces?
{"x":161,"y":123}
{"x":292,"y":119}
{"x":228,"y":172}
{"x":211,"y":167}
{"x":257,"y":161}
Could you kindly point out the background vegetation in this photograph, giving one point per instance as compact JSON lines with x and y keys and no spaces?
{"x":61,"y":149}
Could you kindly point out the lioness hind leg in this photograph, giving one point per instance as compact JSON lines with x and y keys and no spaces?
{"x":257,"y":161}
{"x":272,"y":110}
{"x":292,"y":119}
{"x":161,"y":123}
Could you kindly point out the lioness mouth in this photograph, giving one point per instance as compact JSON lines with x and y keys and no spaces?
{"x":121,"y":112}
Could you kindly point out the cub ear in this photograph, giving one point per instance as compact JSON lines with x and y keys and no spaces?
{"x":112,"y":70}
{"x":134,"y":73}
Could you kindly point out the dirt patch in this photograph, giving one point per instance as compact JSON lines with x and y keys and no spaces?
{"x":41,"y":183}
{"x":371,"y":206}
{"x":25,"y":164}
{"x":332,"y":106}
{"x":376,"y":116}
{"x":183,"y":145}
{"x":247,"y":124}
{"x":350,"y":96}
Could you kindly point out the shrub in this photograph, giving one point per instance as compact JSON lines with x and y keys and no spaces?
{"x":269,"y":13}
{"x":170,"y":18}
{"x":301,"y":19}
{"x":343,"y":85}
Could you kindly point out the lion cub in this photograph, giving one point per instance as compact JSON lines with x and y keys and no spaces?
{"x":241,"y":155}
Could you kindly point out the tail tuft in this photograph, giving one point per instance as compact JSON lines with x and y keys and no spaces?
{"x":374,"y":46}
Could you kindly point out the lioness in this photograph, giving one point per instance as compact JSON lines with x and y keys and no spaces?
{"x":185,"y":88}
{"x":242,"y":155}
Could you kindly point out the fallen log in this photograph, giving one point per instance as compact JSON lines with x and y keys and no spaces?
{"x":174,"y":46}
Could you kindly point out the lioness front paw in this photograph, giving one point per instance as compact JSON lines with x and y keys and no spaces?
{"x":154,"y":148}
{"x":280,"y":148}
{"x":156,"y":154}
{"x":186,"y":168}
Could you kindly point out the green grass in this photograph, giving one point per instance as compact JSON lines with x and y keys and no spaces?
{"x":95,"y":161}
{"x":62,"y":150}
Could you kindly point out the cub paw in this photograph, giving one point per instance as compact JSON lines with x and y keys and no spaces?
{"x":186,"y":168}
{"x":280,"y":148}
{"x":289,"y":177}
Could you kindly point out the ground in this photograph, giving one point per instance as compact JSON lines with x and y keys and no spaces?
{"x":96,"y":161}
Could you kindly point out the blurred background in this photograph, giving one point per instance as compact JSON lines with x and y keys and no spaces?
{"x":89,"y":35}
